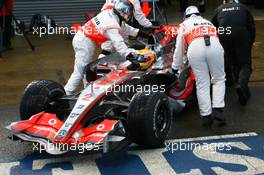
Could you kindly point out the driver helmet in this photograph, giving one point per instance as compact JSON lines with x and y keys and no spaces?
{"x":145,"y":58}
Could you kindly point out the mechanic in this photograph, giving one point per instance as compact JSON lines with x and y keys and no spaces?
{"x":199,"y":38}
{"x":237,"y":45}
{"x":6,"y":10}
{"x":107,"y":25}
{"x":107,"y":47}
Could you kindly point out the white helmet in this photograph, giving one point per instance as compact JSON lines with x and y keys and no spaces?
{"x":123,"y":9}
{"x":190,"y":11}
{"x":228,"y":1}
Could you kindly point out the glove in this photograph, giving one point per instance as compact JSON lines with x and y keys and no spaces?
{"x":142,"y":34}
{"x":173,"y":73}
{"x":130,"y":57}
{"x":146,"y":31}
{"x":134,"y":64}
{"x":155,"y":23}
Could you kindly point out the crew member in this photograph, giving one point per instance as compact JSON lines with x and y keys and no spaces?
{"x":6,"y":10}
{"x":107,"y":47}
{"x":199,"y":38}
{"x":237,"y":44}
{"x":107,"y":25}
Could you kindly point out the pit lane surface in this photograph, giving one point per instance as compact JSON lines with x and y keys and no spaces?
{"x":242,"y":141}
{"x":54,"y":61}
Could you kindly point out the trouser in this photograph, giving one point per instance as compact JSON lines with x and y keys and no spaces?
{"x":207,"y":63}
{"x":84,"y":49}
{"x":238,"y":47}
{"x":6,"y":28}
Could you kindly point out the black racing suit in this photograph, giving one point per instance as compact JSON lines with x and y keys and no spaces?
{"x":238,"y":44}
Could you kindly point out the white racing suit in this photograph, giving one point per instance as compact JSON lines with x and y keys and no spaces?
{"x":207,"y":62}
{"x":105,"y":26}
{"x":138,"y":14}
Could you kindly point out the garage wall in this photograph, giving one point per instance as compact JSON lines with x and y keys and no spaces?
{"x":65,"y":12}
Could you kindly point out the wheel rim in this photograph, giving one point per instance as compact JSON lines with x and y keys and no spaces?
{"x":161,"y":121}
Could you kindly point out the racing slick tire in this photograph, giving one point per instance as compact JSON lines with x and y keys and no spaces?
{"x":38,"y":96}
{"x":149,"y":119}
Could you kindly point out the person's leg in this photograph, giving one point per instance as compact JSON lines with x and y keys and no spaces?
{"x":244,"y":64}
{"x":84,"y":49}
{"x":229,"y":54}
{"x":197,"y":58}
{"x":215,"y":60}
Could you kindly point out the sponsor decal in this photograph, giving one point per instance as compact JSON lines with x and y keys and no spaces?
{"x":100,"y":127}
{"x":52,"y":121}
{"x":42,"y":128}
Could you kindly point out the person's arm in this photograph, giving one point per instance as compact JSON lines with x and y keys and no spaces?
{"x":118,"y":42}
{"x":215,"y":18}
{"x":140,"y":16}
{"x":179,"y":50}
{"x":251,"y":26}
{"x":129,"y":30}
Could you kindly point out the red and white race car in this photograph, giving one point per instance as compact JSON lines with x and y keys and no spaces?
{"x":117,"y":106}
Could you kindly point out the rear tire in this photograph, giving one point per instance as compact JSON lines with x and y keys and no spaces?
{"x":37,"y":98}
{"x":149,"y":119}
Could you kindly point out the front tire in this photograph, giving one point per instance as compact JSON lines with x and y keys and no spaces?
{"x":149,"y":119}
{"x":38,"y":96}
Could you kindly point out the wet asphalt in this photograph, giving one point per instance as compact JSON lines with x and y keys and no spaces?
{"x":54,"y":58}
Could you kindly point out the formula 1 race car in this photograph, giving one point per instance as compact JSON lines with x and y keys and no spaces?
{"x":119,"y":103}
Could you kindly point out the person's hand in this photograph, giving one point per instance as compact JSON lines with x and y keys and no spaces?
{"x":155,"y":23}
{"x":131,"y":57}
{"x":146,"y":31}
{"x":142,"y":34}
{"x":134,"y":64}
{"x":173,"y":73}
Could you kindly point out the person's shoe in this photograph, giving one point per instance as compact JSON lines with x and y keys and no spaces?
{"x":242,"y":96}
{"x":218,"y":116}
{"x":207,"y":120}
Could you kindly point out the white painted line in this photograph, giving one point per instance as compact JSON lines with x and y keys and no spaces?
{"x":214,"y":137}
{"x":82,"y":164}
{"x":5,"y":167}
{"x":154,"y":161}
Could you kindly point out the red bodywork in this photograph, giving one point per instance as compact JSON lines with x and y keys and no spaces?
{"x":46,"y":125}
